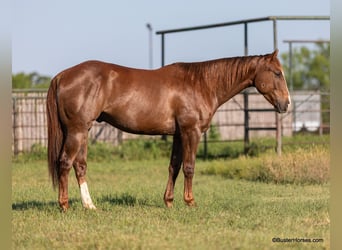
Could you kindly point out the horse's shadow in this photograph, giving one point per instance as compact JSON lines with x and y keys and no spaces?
{"x":124,"y":199}
{"x":37,"y":205}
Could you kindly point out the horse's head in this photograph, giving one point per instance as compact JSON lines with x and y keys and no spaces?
{"x":270,"y":82}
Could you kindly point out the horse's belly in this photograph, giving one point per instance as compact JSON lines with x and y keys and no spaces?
{"x":149,"y":123}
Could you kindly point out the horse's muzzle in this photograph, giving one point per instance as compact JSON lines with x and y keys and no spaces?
{"x":282,"y":107}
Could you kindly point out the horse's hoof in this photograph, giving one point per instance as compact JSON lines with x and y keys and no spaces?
{"x":90,"y":206}
{"x":168,"y":203}
{"x":191,"y":203}
{"x":64,"y":208}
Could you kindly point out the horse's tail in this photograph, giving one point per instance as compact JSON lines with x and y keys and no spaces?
{"x":55,"y":132}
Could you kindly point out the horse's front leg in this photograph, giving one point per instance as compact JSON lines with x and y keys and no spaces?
{"x":190,"y":140}
{"x":175,"y":164}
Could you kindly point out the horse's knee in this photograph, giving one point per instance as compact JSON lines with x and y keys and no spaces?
{"x":188,"y":171}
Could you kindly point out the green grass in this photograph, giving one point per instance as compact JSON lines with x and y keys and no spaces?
{"x":230,"y":213}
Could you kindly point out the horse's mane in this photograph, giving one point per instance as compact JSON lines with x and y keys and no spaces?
{"x":224,"y":70}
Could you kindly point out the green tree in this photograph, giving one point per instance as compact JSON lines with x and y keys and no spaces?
{"x":310,"y":68}
{"x":21,"y":81}
{"x":30,"y":81}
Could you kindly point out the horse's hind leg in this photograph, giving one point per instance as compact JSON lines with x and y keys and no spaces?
{"x":80,"y":167}
{"x":71,"y":148}
{"x":175,"y":164}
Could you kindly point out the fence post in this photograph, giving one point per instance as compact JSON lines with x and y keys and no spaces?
{"x":14,"y":126}
{"x":205,"y":151}
{"x":119,"y":137}
{"x":246,"y":121}
{"x":278,"y":133}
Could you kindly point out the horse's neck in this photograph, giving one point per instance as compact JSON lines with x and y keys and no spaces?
{"x":239,"y":74}
{"x":221,"y":79}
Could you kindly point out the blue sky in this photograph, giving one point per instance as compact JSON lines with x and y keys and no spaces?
{"x":49,"y":36}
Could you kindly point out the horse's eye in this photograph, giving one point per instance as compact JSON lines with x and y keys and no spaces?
{"x":278,"y":73}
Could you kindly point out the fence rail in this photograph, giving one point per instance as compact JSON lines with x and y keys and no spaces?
{"x":309,"y":111}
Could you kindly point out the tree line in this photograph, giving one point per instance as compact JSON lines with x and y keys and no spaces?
{"x":31,"y":80}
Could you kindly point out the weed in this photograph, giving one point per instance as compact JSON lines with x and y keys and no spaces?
{"x":301,"y":166}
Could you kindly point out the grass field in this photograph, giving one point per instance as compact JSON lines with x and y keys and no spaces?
{"x":231,"y":212}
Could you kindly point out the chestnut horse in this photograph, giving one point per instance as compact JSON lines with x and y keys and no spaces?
{"x":179,"y":99}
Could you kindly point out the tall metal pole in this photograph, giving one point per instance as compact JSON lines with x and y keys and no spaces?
{"x":290,"y":66}
{"x":246,"y":38}
{"x":275,"y":37}
{"x":245,"y":96}
{"x":150,"y":45}
{"x":291,"y":83}
{"x":278,"y":116}
{"x":162,"y":50}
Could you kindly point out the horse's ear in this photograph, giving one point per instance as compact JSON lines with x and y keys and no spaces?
{"x":274,"y":54}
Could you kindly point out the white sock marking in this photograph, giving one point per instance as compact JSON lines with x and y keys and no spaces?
{"x":85,"y":196}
